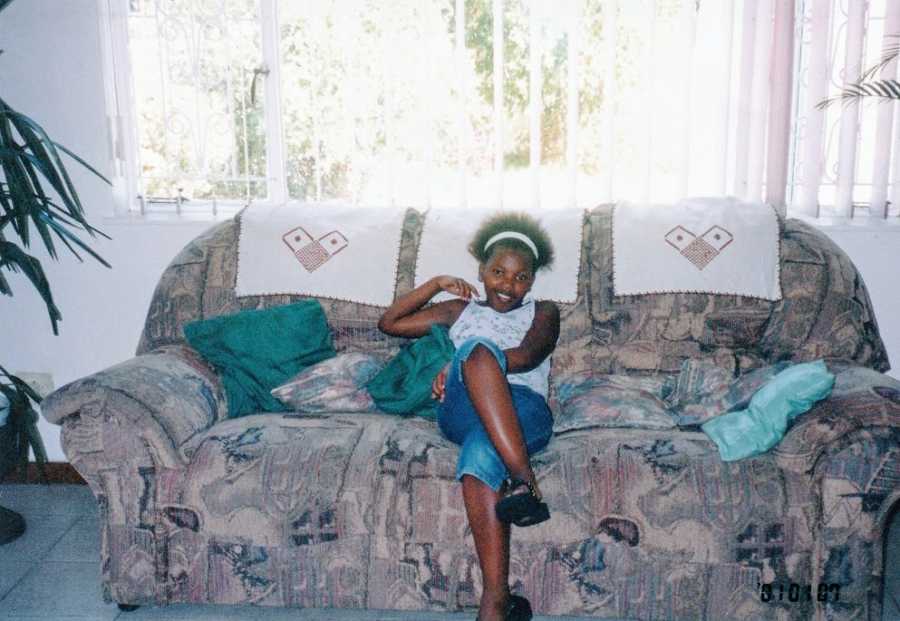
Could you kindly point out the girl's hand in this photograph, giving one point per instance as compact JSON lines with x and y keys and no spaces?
{"x":437,"y":384}
{"x":457,"y":286}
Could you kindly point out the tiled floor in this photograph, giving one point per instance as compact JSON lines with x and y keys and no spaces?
{"x":52,"y":572}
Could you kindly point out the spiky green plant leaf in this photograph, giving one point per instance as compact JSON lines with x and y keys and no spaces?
{"x":886,"y":89}
{"x":35,"y":190}
{"x":23,"y":423}
{"x":14,"y":258}
{"x":888,"y":54}
{"x":29,"y":161}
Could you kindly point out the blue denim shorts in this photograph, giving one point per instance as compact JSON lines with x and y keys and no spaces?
{"x":460,"y":423}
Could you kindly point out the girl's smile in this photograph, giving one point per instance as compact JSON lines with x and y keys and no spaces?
{"x":507,"y":277}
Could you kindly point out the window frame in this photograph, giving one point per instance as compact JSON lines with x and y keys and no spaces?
{"x":124,"y":145}
{"x":122,"y":125}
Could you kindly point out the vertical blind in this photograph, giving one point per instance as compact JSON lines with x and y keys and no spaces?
{"x":847,"y":155}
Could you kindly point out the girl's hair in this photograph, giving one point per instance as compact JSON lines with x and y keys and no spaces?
{"x":517,"y":222}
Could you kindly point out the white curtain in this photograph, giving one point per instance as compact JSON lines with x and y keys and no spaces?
{"x":846,"y":155}
{"x":644,"y":100}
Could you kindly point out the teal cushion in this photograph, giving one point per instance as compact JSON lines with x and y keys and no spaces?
{"x":256,"y":350}
{"x":404,"y":385}
{"x":761,"y":426}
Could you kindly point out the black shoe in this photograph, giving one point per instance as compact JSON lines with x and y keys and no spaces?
{"x":519,"y":609}
{"x":523,"y":509}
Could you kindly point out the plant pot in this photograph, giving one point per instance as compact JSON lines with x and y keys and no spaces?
{"x":7,"y":452}
{"x":12,"y":525}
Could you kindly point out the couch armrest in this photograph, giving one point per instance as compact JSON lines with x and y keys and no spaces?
{"x":863,"y":404}
{"x":847,"y":451}
{"x":125,"y":430}
{"x":165,"y":397}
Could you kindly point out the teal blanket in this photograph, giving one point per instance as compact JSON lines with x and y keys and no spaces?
{"x":404,"y":385}
{"x":761,"y":426}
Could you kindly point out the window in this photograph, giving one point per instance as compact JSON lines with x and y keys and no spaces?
{"x":465,"y":102}
{"x":199,"y":101}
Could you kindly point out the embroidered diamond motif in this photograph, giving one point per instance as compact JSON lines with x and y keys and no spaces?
{"x":699,"y":250}
{"x":313,"y":253}
{"x":718,"y":237}
{"x":700,"y":253}
{"x":312,"y":256}
{"x":679,"y":238}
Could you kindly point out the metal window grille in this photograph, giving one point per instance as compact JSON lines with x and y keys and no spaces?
{"x":846,"y":158}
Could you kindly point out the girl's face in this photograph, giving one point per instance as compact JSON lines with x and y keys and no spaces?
{"x":507,"y":276}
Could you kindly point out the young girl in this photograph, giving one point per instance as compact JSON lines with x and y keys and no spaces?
{"x":493,"y":393}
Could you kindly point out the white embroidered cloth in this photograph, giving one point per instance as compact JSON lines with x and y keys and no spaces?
{"x":331,"y":251}
{"x":698,"y":245}
{"x":443,"y":249}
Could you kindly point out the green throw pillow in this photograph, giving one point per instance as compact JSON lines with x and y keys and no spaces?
{"x":256,"y":350}
{"x":404,"y":385}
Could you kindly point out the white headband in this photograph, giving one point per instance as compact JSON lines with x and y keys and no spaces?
{"x":512,"y":235}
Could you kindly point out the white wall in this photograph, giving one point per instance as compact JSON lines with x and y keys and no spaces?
{"x":876,"y":254}
{"x":51,"y":71}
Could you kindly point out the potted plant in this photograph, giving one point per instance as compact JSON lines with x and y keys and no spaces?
{"x":35,"y":190}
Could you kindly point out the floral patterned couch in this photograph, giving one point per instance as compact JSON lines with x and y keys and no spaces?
{"x":362,"y":510}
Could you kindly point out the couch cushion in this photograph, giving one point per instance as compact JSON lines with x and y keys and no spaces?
{"x":281,"y":480}
{"x":276,"y":510}
{"x":588,"y":401}
{"x":703,"y":390}
{"x":333,"y":385}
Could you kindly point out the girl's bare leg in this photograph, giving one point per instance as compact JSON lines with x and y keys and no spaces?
{"x":489,"y":393}
{"x":490,"y":396}
{"x":492,"y":545}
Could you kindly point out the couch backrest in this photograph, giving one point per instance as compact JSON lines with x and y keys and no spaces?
{"x":825,"y":311}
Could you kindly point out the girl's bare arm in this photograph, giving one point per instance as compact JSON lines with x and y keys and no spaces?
{"x":539,"y":341}
{"x":406,"y":317}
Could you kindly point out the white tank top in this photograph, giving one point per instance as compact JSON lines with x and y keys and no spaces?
{"x":506,"y":330}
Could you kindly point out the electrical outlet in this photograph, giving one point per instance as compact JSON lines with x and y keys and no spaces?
{"x":41,"y":383}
